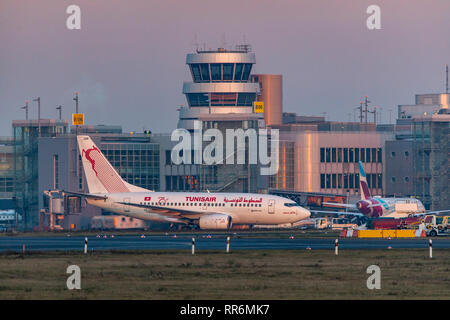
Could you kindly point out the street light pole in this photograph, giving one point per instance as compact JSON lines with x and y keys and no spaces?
{"x":26,"y":110}
{"x":76,"y":110}
{"x":38,"y":99}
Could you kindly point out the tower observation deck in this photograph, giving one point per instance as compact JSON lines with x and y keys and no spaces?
{"x":221,"y":84}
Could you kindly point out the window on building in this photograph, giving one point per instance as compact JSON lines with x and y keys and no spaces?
{"x":55,"y":171}
{"x":350,"y":155}
{"x":367,"y":154}
{"x":380,"y":180}
{"x":246,"y":99}
{"x":238,"y":71}
{"x":356,"y":154}
{"x":351,"y":181}
{"x":198,"y":99}
{"x":374,"y":155}
{"x":339,"y":180}
{"x":333,"y":180}
{"x":196,"y":72}
{"x":322,"y":181}
{"x":345,"y":155}
{"x":216,"y":71}
{"x":327,"y":154}
{"x":345,"y":181}
{"x":339,"y":155}
{"x":168,"y":183}
{"x":168,"y":156}
{"x":228,"y":71}
{"x":333,"y":154}
{"x":223,"y":99}
{"x":204,"y":68}
{"x":328,"y":177}
{"x":6,"y":184}
{"x":246,"y":73}
{"x":362,"y":155}
{"x":322,"y":155}
{"x":379,"y":155}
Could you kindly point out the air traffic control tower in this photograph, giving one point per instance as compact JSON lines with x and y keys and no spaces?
{"x":221,"y":85}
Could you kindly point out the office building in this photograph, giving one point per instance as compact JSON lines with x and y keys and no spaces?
{"x":431,"y":150}
{"x":425,"y":104}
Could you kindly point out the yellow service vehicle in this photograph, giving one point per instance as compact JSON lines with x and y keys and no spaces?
{"x":436,"y":225}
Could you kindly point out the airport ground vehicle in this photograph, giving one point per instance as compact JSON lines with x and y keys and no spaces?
{"x":342,"y":223}
{"x":436,"y":225}
{"x":321,"y":223}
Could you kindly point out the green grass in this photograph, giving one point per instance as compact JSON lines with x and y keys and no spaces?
{"x":283,"y":274}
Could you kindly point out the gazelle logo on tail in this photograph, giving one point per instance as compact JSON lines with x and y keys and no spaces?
{"x":89,"y":158}
{"x":365,"y":192}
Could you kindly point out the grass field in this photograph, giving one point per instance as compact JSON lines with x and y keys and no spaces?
{"x":172,"y":275}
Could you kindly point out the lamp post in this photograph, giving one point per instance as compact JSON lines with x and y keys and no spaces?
{"x":38,"y":99}
{"x":26,"y":110}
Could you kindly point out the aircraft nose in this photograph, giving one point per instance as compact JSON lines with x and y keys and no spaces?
{"x":304,"y":213}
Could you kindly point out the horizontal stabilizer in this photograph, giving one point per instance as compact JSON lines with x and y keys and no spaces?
{"x":86,"y":195}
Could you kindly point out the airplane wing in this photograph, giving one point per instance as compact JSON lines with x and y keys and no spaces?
{"x":86,"y":195}
{"x":342,"y":205}
{"x":319,"y":213}
{"x":427,"y":213}
{"x":169,"y":211}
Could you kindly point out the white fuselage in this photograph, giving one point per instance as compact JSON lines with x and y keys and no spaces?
{"x":243,"y":208}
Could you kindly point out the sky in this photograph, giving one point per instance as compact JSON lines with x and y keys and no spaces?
{"x":128,"y":59}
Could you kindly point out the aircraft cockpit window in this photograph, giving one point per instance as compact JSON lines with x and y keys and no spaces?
{"x":291,"y":204}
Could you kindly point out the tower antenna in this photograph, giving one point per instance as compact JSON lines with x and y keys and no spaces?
{"x":446,"y":78}
{"x":196,"y":42}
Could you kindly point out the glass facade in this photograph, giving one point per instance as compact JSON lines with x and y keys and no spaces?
{"x":431,"y":149}
{"x":220,"y":99}
{"x":137,"y":163}
{"x":350,"y":180}
{"x":26,"y":136}
{"x":183,"y":183}
{"x":223,"y":72}
{"x":285,"y":177}
{"x":6,"y":170}
{"x":351,"y":155}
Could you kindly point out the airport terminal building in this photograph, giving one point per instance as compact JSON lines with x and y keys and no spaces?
{"x":316,"y":156}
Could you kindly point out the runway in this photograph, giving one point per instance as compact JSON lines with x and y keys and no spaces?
{"x":214,"y":242}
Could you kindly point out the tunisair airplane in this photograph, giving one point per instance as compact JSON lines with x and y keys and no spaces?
{"x":107,"y":190}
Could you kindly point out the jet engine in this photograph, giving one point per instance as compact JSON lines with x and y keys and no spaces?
{"x":215,"y":222}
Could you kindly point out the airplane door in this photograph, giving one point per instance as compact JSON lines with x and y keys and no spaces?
{"x":127,"y":207}
{"x":271,"y":206}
